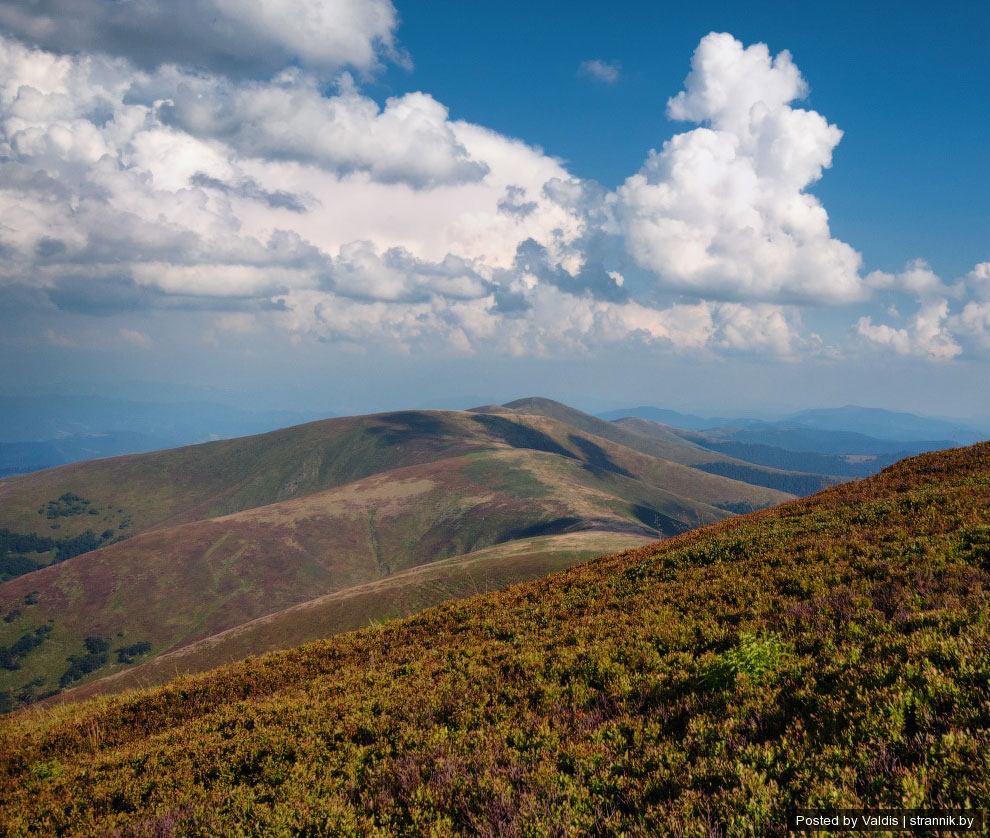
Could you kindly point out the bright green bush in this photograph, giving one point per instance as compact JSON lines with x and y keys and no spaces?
{"x":757,"y":658}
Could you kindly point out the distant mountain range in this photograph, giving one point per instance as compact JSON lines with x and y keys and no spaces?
{"x":887,"y":424}
{"x":25,"y":457}
{"x":688,"y":421}
{"x":45,"y":431}
{"x":865,"y":421}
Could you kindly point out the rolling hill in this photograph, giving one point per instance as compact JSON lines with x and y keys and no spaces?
{"x":135,"y":493}
{"x":830,"y":652}
{"x":665,"y":443}
{"x":115,"y":562}
{"x":175,"y":585}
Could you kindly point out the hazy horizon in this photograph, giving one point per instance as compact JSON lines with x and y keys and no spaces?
{"x":156,"y":394}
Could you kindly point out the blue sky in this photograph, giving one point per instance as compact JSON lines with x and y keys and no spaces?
{"x":350,"y":206}
{"x":909,"y":85}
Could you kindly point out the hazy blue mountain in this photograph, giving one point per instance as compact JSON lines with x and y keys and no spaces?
{"x":45,"y":431}
{"x":887,"y":424}
{"x":837,"y":453}
{"x":861,"y":430}
{"x":24,"y":457}
{"x":782,"y":458}
{"x":38,"y":418}
{"x":799,"y":438}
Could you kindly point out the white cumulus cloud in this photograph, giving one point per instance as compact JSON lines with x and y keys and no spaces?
{"x":927,"y":336}
{"x":128,"y":183}
{"x":978,"y":281}
{"x":169,"y":186}
{"x":951,"y":320}
{"x":917,"y":279}
{"x":974,"y":323}
{"x":409,"y":141}
{"x":722,"y":210}
{"x":555,"y":324}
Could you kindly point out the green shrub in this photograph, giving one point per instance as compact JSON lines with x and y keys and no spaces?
{"x":758,"y":658}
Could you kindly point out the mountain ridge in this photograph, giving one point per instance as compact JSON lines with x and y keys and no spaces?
{"x":215,"y":535}
{"x":667,"y":444}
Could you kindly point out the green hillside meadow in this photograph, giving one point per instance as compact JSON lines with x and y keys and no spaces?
{"x":247,"y":528}
{"x":398,"y":595}
{"x":833,"y":651}
{"x":137,"y":492}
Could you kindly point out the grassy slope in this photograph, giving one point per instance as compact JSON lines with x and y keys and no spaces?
{"x":834,"y":651}
{"x":217,"y":478}
{"x":669,"y":445}
{"x":603,"y":455}
{"x":163,"y":488}
{"x":178,"y":584}
{"x":400,"y":595}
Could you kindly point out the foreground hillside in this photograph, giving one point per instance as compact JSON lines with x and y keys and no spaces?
{"x":834,"y":651}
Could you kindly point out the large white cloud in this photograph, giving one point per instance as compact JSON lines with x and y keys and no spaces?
{"x":253,"y":38}
{"x":411,"y":140}
{"x":723,"y":210}
{"x":169,"y":186}
{"x":395,"y":225}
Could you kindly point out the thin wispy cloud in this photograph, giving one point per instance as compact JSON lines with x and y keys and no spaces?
{"x":136,"y":338}
{"x":606,"y":72}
